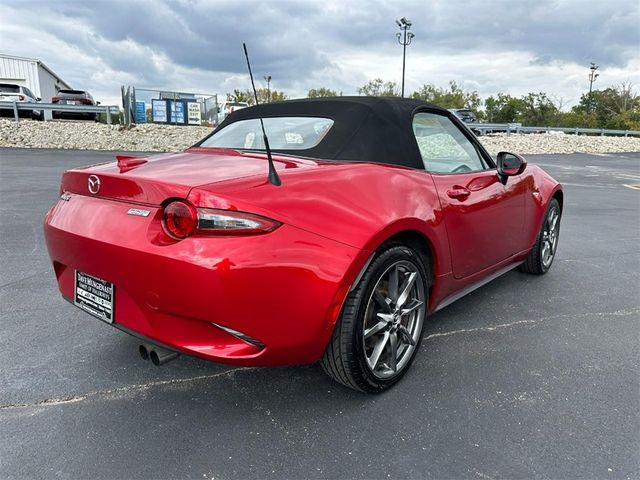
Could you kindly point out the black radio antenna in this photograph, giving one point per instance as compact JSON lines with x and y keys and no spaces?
{"x":273,"y":175}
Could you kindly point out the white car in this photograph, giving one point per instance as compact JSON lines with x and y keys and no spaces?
{"x":10,"y":92}
{"x":225,"y":108}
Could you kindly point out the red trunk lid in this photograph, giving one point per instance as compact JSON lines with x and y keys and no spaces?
{"x":169,"y":175}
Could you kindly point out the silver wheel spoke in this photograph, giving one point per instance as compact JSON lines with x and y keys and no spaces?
{"x":553,"y":221}
{"x":375,"y":329}
{"x":545,"y":251}
{"x":412,"y":307}
{"x":393,"y":354}
{"x":387,"y":317}
{"x":406,"y":289}
{"x":377,"y":351}
{"x":382,"y":301}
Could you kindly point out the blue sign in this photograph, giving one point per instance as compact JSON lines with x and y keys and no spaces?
{"x":159,"y":111}
{"x":177,"y":112}
{"x":141,"y":112}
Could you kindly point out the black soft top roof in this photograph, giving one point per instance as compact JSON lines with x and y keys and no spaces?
{"x":365,"y":129}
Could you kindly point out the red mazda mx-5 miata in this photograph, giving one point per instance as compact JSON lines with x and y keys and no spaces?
{"x":388,"y":210}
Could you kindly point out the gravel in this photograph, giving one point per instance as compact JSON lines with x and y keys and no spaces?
{"x":164,"y":138}
{"x":548,"y":143}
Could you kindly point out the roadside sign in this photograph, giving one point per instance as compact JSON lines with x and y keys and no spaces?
{"x":193,"y":113}
{"x":159,"y":111}
{"x":141,"y":112}
{"x":177,"y":112}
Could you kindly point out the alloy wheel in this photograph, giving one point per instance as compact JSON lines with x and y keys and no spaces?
{"x":393,"y":319}
{"x":550,"y":235}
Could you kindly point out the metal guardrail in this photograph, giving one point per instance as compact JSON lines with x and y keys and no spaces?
{"x":17,"y":106}
{"x":509,"y":128}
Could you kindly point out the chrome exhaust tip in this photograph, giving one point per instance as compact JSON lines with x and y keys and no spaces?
{"x":157,"y":355}
{"x":143,"y":350}
{"x":160,"y":356}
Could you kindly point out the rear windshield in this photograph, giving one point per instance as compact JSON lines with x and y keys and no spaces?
{"x":9,"y":88}
{"x":71,"y":92}
{"x":284,"y":133}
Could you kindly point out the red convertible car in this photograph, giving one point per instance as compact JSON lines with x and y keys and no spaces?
{"x":384,"y":211}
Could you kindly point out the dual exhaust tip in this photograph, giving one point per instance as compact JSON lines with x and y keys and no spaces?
{"x":157,"y":355}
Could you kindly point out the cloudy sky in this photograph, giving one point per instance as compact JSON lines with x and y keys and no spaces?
{"x":511,"y":46}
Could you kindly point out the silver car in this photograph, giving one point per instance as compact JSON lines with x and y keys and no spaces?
{"x":10,"y":92}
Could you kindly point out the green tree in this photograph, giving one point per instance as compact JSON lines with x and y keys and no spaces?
{"x":502,"y":108}
{"x":321,"y":92}
{"x":240,"y":96}
{"x":379,"y":88}
{"x":536,"y":109}
{"x":629,"y":120}
{"x":264,"y":96}
{"x":577,"y":119}
{"x":452,"y":97}
{"x":610,"y":103}
{"x":276,"y":96}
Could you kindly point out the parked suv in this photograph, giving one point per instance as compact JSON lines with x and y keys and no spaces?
{"x":10,"y":92}
{"x":75,"y":97}
{"x":464,"y":114}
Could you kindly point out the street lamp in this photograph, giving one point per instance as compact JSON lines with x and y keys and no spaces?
{"x":592,"y":78}
{"x":268,"y":79}
{"x":404,"y":39}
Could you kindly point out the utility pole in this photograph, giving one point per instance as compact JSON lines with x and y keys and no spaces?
{"x":404,"y":39}
{"x":268,"y":79}
{"x":593,"y":76}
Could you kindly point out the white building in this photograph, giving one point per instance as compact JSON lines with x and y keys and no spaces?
{"x":33,"y":74}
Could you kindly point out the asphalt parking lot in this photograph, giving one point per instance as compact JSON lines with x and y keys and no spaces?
{"x":528,"y":377}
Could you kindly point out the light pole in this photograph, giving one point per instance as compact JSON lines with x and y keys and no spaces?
{"x":404,"y":39}
{"x":592,"y":78}
{"x":268,"y":79}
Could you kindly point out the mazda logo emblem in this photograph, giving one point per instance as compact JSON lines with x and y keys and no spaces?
{"x":94,"y":184}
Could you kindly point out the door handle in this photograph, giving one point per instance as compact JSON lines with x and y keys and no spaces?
{"x":458,"y":192}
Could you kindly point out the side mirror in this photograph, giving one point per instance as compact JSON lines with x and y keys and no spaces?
{"x":510,"y":164}
{"x":97,"y":103}
{"x":38,"y":99}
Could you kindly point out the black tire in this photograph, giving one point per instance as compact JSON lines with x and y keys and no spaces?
{"x":345,"y":358}
{"x":537,"y":263}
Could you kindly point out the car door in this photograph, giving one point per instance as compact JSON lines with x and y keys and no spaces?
{"x":484,"y":218}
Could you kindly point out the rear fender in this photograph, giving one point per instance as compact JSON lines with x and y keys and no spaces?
{"x":434,"y":238}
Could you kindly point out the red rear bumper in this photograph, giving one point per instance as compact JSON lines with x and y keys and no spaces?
{"x":284,"y":289}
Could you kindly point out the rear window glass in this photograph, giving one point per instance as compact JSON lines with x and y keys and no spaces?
{"x":284,"y":133}
{"x":71,"y":92}
{"x":4,"y":87}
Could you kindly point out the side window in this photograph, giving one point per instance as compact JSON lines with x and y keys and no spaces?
{"x":443,"y":147}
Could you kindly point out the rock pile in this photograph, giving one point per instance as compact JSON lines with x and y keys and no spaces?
{"x":165,"y":138}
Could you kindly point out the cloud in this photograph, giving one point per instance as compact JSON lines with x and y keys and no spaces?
{"x":494,"y":45}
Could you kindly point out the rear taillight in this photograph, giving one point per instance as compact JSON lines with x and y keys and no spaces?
{"x":86,"y":101}
{"x":55,"y":99}
{"x":181,"y":220}
{"x":212,"y":221}
{"x":21,"y":98}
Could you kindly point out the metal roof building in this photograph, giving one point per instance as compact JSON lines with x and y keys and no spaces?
{"x":33,"y":74}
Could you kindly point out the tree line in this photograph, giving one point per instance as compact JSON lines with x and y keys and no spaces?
{"x":615,"y":107}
